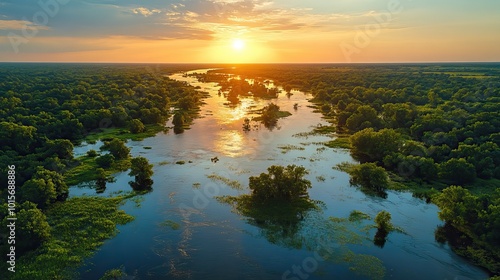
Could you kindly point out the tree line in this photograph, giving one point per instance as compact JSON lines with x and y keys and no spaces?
{"x":429,"y":125}
{"x":48,"y":108}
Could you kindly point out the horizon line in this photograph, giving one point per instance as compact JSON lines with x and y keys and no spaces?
{"x":250,"y":63}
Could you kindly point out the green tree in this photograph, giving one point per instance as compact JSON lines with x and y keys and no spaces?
{"x":142,"y":171}
{"x":32,"y":228}
{"x":383,"y":221}
{"x":117,"y":148}
{"x":39,"y":191}
{"x":44,"y":188}
{"x":178,"y":120}
{"x":270,"y":114}
{"x":63,"y":148}
{"x":458,"y":207}
{"x":370,"y":145}
{"x":136,"y":126}
{"x":105,"y":161}
{"x":102,"y":179}
{"x":91,"y":153}
{"x":364,"y":117}
{"x":280,"y":182}
{"x":369,"y":176}
{"x":457,"y":171}
{"x":17,"y":137}
{"x":57,"y":179}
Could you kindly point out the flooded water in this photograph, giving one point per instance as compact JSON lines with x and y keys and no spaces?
{"x":214,"y":242}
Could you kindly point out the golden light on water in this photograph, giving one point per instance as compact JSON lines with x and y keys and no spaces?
{"x":240,"y":112}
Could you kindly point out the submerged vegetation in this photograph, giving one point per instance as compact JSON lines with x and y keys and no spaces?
{"x":412,"y":127}
{"x":280,"y":183}
{"x":427,"y":125}
{"x":270,"y":114}
{"x":46,"y":110}
{"x":72,"y":231}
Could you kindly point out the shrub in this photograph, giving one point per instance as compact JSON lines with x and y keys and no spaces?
{"x":280,"y":183}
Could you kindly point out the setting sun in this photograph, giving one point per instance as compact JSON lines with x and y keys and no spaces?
{"x":238,"y":44}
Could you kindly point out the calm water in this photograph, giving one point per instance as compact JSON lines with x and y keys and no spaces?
{"x":214,"y":242}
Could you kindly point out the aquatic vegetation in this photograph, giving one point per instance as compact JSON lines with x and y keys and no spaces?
{"x":83,"y":169}
{"x":324,"y":129}
{"x":320,"y":178}
{"x":299,"y":224}
{"x":114,"y":274}
{"x":339,"y":143}
{"x":137,"y":200}
{"x":171,"y":224}
{"x":356,"y":215}
{"x":124,"y":134}
{"x":320,"y":149}
{"x":78,"y":226}
{"x":231,"y":183}
{"x":279,"y":222}
{"x":366,"y":265}
{"x":286,"y":148}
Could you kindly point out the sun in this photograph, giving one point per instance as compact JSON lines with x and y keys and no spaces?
{"x":238,"y":44}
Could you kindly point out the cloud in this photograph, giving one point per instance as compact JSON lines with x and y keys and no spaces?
{"x":177,"y":19}
{"x":261,"y":17}
{"x":19,"y":25}
{"x":145,"y":11}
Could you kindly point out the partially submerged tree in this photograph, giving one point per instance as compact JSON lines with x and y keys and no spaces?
{"x":117,"y":148}
{"x":102,"y":179}
{"x":384,"y":226}
{"x":369,"y":176}
{"x":285,"y":183}
{"x":383,"y":221}
{"x":142,"y":171}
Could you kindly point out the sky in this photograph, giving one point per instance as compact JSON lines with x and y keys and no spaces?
{"x":249,"y":31}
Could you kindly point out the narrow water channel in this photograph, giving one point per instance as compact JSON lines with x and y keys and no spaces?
{"x":213,"y":242}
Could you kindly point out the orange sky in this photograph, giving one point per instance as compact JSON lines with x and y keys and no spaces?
{"x":195,"y":31}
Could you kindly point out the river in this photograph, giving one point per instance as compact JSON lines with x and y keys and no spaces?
{"x":214,"y":242}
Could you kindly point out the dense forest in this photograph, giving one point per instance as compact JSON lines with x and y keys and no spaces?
{"x":430,"y":129}
{"x":46,"y":110}
{"x":433,"y":129}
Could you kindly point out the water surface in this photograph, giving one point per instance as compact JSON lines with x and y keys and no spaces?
{"x":214,"y":242}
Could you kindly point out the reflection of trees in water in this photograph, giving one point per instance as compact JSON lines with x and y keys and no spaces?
{"x":301,"y":225}
{"x":380,"y":238}
{"x":280,"y":222}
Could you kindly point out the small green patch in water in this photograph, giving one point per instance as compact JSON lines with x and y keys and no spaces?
{"x":356,"y":216}
{"x":320,"y":178}
{"x":286,"y":148}
{"x":171,"y":224}
{"x":231,"y":183}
